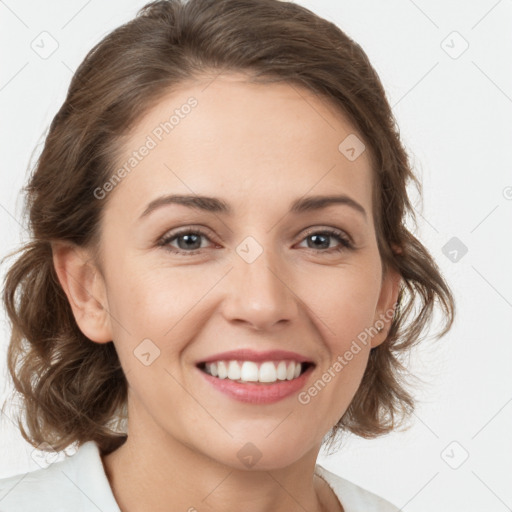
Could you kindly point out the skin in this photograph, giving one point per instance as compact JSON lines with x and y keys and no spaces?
{"x":258,"y":147}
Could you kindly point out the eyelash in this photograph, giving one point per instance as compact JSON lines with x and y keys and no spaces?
{"x":345,"y":243}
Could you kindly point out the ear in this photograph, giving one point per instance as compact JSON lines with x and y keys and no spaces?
{"x":85,"y":289}
{"x":388,"y":298}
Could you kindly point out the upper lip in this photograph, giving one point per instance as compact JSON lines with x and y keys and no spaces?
{"x":248,"y":354}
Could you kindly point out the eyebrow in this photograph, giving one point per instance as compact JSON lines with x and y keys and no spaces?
{"x":216,"y":205}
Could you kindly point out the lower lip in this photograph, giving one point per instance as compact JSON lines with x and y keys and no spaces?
{"x":258,"y":393}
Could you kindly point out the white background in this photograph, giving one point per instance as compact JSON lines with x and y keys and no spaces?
{"x":455,"y":118}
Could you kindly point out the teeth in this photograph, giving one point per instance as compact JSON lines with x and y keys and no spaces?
{"x":268,"y":372}
{"x":281,"y":370}
{"x":249,"y":371}
{"x":233,"y":370}
{"x":222,"y":370}
{"x":290,"y":372}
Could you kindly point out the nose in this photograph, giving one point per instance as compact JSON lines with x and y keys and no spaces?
{"x":259,"y":293}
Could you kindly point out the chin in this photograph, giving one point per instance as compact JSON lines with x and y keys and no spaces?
{"x":257,"y":453}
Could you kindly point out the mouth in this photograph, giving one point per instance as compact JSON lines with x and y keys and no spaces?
{"x":256,"y":377}
{"x":255,"y":372}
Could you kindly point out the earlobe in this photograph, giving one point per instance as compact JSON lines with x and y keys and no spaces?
{"x":84,"y":287}
{"x":390,"y":291}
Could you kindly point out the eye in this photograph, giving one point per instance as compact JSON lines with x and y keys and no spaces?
{"x":188,"y":241}
{"x":320,"y":240}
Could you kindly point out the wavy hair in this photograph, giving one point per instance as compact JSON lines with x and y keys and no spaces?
{"x":73,"y":390}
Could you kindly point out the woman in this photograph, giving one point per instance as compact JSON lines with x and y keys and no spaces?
{"x":220,"y":279}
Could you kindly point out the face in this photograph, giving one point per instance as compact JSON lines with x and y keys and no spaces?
{"x":243,"y":271}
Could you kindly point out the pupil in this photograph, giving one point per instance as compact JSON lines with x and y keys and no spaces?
{"x":188,"y":237}
{"x":313,"y":237}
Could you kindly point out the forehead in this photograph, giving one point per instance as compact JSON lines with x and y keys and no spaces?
{"x":242,"y":141}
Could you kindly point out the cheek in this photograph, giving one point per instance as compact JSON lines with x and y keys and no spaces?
{"x":345,"y":308}
{"x":152,"y":299}
{"x":345,"y":302}
{"x":161,"y":304}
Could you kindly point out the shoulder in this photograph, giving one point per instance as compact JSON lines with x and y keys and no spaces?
{"x":353,"y":497}
{"x":78,"y":481}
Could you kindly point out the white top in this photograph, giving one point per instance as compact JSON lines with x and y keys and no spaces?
{"x":79,"y":483}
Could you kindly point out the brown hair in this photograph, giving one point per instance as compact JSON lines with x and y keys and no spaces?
{"x":74,"y":390}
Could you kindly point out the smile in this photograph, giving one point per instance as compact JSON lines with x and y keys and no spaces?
{"x":256,"y":378}
{"x":251,"y":371}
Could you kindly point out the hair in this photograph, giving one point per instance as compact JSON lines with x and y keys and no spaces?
{"x":73,"y":390}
